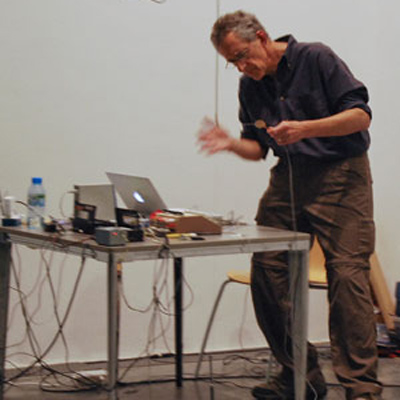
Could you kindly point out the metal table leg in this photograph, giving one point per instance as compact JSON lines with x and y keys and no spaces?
{"x":298,"y":271}
{"x":5,"y":259}
{"x":113,"y":323}
{"x":178,"y":269}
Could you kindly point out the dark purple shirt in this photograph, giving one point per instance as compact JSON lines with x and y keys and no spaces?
{"x":311,"y":82}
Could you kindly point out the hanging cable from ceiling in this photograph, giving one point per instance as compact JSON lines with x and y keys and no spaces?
{"x":216,"y":82}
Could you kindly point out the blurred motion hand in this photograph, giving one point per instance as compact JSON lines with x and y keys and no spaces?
{"x":213,"y":139}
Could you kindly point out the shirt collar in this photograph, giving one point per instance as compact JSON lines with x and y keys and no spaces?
{"x":289,"y":57}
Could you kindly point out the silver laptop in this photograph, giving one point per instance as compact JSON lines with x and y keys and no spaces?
{"x":137,"y":193}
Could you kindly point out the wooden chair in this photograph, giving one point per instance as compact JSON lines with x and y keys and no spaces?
{"x":317,"y":280}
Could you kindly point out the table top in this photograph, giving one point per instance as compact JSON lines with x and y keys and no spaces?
{"x":234,"y":239}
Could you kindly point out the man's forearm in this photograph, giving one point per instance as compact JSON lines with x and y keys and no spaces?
{"x":344,"y":123}
{"x":246,"y":148}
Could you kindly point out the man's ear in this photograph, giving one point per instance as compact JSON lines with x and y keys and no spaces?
{"x":262,"y":35}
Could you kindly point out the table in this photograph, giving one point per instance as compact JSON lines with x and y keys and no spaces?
{"x":240,"y":239}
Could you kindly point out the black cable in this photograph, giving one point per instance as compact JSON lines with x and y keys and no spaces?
{"x":160,"y":285}
{"x":31,"y":335}
{"x":131,"y":308}
{"x":55,"y":307}
{"x":155,"y":305}
{"x":38,"y":355}
{"x":76,"y":377}
{"x":39,"y":283}
{"x":222,"y":379}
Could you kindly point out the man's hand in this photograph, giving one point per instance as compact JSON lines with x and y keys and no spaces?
{"x":288,"y":132}
{"x":214,"y":139}
{"x":341,"y":124}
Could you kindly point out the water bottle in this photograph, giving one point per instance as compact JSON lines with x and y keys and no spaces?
{"x":37,"y":204}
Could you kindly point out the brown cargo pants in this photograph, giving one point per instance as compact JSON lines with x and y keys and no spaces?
{"x":333,"y":202}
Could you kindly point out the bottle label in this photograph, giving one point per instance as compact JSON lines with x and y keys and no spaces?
{"x":37,"y":200}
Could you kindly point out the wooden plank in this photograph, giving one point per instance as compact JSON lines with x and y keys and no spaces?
{"x":381,"y":293}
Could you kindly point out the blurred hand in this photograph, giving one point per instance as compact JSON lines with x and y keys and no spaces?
{"x":213,"y":139}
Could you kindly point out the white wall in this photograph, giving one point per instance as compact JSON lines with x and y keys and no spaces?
{"x":95,"y":85}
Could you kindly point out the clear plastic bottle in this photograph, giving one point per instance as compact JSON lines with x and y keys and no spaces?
{"x":37,"y":203}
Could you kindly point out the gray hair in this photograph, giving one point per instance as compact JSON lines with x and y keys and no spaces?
{"x":243,"y":24}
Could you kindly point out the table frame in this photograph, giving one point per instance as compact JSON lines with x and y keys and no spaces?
{"x":241,"y":239}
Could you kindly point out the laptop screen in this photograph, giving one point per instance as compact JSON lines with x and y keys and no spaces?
{"x":138,"y":193}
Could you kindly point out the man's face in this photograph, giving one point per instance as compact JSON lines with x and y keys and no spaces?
{"x":250,"y":58}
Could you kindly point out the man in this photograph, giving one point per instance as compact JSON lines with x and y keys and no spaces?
{"x":301,"y":101}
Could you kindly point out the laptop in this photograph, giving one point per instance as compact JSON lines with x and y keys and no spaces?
{"x":138,"y":193}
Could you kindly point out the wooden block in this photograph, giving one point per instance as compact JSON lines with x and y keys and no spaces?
{"x":197,"y":224}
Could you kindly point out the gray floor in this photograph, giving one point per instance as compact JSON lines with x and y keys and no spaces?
{"x":234,"y":374}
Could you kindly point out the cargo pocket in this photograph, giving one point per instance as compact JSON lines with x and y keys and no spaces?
{"x":366,"y":236}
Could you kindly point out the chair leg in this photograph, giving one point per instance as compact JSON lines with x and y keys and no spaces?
{"x":210,"y":322}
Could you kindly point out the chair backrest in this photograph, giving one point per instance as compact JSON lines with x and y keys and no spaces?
{"x":317,"y":271}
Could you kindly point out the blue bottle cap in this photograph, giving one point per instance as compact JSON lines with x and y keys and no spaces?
{"x":37,"y":181}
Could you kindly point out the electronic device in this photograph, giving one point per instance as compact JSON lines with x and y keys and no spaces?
{"x":138,"y":193}
{"x":130,"y":219}
{"x":127,"y":217}
{"x":100,"y":196}
{"x":94,"y":205}
{"x":111,"y":235}
{"x":184,"y":223}
{"x":85,"y":220}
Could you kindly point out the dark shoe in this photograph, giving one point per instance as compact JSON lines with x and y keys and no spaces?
{"x":268,"y":392}
{"x":264,"y":391}
{"x":276,"y":390}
